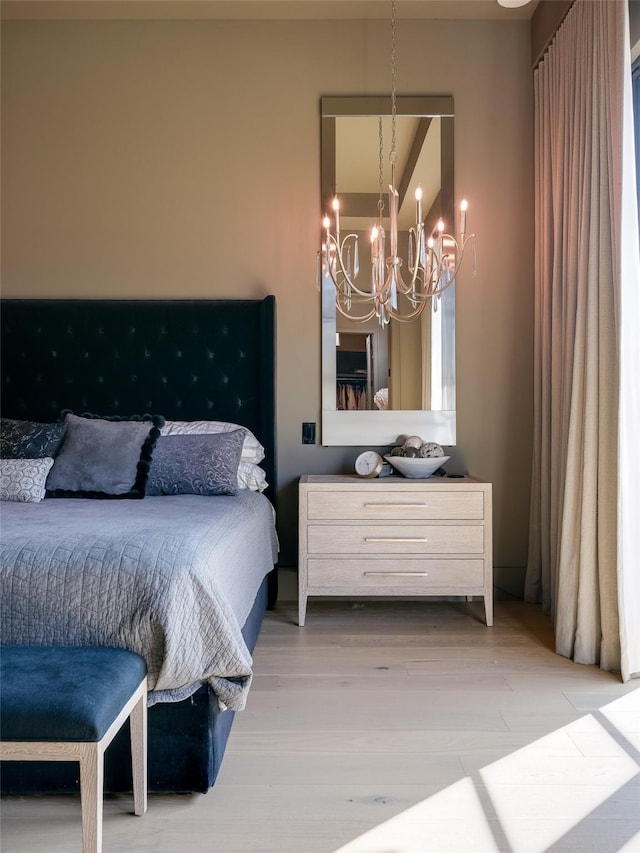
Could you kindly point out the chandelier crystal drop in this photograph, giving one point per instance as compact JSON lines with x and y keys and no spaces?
{"x":433,"y":261}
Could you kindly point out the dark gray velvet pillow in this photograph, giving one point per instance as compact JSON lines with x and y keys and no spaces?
{"x":196,"y":464}
{"x":29,"y":440}
{"x":104,"y":457}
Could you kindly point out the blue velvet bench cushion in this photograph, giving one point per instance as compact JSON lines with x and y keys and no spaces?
{"x":64,"y":693}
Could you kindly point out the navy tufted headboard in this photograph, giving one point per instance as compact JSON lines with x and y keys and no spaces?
{"x":184,"y":359}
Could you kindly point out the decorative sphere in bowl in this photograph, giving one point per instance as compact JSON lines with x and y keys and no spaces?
{"x":417,"y":468}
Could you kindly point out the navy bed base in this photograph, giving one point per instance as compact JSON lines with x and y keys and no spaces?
{"x":186,"y":360}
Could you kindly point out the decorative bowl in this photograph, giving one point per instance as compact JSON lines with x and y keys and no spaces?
{"x":417,"y":468}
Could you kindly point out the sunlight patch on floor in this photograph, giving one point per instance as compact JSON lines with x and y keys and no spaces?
{"x":455,"y":813}
{"x":532,"y":799}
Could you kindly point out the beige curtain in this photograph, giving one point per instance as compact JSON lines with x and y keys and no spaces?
{"x":573,"y":552}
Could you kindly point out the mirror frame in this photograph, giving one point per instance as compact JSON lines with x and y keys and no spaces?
{"x":351,"y":428}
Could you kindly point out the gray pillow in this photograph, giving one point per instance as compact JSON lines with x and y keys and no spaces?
{"x":29,"y":440}
{"x":104,"y":457}
{"x":196,"y":464}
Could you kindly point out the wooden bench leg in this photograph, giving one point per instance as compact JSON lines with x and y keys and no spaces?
{"x":91,"y":795}
{"x":138,"y":726}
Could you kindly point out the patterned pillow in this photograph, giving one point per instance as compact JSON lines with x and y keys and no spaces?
{"x":29,"y":440}
{"x":104,"y":457}
{"x":23,"y":479}
{"x":252,"y":450}
{"x":196,"y":464}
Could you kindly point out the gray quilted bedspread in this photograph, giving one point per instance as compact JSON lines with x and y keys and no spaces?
{"x":172,"y":578}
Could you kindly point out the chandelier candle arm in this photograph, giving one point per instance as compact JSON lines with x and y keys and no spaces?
{"x":433,"y":268}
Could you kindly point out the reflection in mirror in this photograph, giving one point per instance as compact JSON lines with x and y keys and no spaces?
{"x":380,"y":382}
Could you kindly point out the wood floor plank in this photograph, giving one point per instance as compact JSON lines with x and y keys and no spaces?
{"x":382,"y":742}
{"x":355,"y":768}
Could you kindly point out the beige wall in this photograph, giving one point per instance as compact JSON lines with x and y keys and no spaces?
{"x":181,"y":159}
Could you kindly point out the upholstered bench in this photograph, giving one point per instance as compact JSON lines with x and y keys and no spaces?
{"x":66,"y":703}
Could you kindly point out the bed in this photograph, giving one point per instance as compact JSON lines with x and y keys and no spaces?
{"x":149,"y":586}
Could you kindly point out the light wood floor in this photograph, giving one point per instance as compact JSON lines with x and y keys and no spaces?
{"x":396,"y":728}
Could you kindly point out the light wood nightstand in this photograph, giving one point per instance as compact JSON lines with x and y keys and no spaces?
{"x":394,"y":537}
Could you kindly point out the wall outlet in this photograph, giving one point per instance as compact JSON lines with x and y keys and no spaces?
{"x":308,"y":433}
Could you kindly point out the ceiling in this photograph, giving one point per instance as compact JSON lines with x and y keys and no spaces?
{"x":261,"y":9}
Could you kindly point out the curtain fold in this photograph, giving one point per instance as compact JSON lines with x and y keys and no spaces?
{"x":573,"y":566}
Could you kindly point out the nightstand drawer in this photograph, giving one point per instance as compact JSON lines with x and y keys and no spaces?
{"x":395,"y":539}
{"x":396,"y":577}
{"x":389,"y":504}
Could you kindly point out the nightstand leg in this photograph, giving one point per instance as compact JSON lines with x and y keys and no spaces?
{"x":488,"y":609}
{"x":302,"y":608}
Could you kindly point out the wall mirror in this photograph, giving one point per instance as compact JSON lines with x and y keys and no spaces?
{"x":378,"y":383}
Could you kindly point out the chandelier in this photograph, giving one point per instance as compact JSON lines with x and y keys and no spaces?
{"x":433,"y":261}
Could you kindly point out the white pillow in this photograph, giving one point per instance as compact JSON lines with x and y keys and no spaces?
{"x":252,"y":450}
{"x":250,"y":476}
{"x":24,"y":479}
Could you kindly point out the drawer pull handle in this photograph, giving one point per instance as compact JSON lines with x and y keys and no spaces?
{"x":395,"y":539}
{"x":395,"y":506}
{"x":397,"y":574}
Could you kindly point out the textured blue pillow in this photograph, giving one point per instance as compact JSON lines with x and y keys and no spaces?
{"x":104,"y":457}
{"x":196,"y":464}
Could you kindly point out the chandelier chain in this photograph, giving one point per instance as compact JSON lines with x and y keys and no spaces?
{"x":380,"y":167}
{"x":392,"y":152}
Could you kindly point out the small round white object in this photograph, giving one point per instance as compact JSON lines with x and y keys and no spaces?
{"x":369,"y":464}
